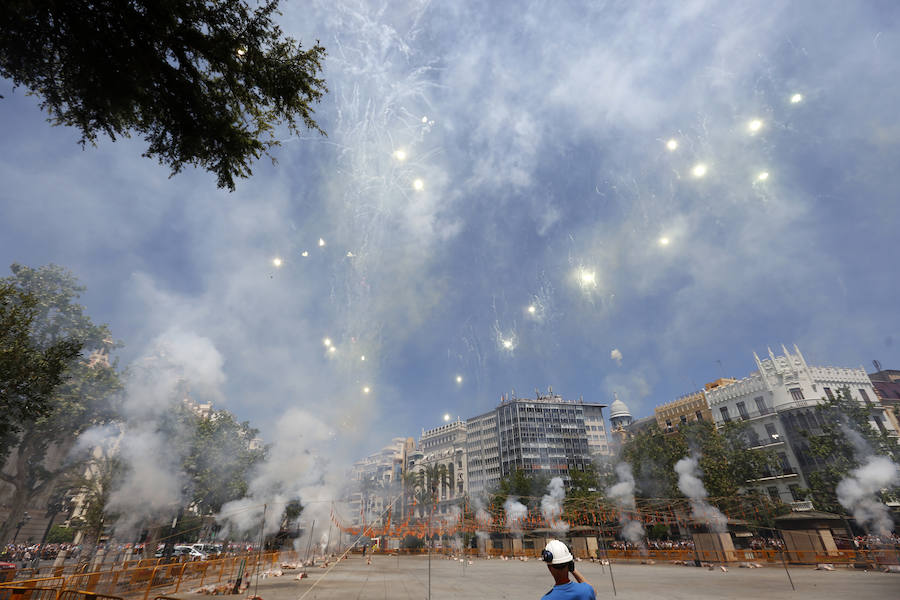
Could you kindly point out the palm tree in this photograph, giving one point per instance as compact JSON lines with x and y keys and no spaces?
{"x":451,"y":479}
{"x":411,"y":482}
{"x":422,"y":499}
{"x":436,"y":478}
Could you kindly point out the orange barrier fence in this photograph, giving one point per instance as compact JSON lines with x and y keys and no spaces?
{"x":87,"y":567}
{"x":27,"y":593}
{"x":141,"y":581}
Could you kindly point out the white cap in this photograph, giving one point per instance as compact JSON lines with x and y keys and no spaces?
{"x":560,"y":552}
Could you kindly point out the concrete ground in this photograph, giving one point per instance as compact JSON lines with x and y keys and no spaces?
{"x":384,"y":578}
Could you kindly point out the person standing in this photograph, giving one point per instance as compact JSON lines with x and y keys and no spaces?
{"x":561,"y":563}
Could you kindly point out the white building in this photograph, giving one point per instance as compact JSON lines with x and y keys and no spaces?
{"x":444,"y":447}
{"x":483,"y":453}
{"x":376,"y":482}
{"x":546,"y":435}
{"x":777,"y":402}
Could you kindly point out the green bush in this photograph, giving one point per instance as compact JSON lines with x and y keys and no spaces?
{"x":60,"y":535}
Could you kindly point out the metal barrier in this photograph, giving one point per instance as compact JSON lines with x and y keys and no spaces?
{"x":56,"y":583}
{"x":79,"y":595}
{"x":28,"y":593}
{"x":141,"y":580}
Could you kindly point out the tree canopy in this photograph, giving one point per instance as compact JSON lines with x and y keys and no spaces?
{"x":724,"y":460}
{"x":846,"y":437}
{"x":204,"y":83}
{"x":83,"y":399}
{"x":30,"y":372}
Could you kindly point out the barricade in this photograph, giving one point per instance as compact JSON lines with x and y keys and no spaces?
{"x":140,"y":580}
{"x":79,"y":595}
{"x":56,"y":583}
{"x":28,"y":593}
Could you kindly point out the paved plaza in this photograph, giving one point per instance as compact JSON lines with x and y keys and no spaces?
{"x":407,"y":579}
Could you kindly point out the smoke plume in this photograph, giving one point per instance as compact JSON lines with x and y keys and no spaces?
{"x":616,"y":355}
{"x":858,"y":492}
{"x":297,"y":468}
{"x":622,"y":493}
{"x":552,"y":505}
{"x":515,"y":512}
{"x":691,"y":485}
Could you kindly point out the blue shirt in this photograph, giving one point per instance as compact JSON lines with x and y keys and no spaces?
{"x":571,"y":591}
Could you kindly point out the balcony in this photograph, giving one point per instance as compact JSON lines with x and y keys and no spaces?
{"x":774,"y":476}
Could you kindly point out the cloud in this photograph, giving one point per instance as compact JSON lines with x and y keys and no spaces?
{"x":616,"y":355}
{"x":543,"y":150}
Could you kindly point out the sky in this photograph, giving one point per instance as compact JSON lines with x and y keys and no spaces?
{"x":484,"y":158}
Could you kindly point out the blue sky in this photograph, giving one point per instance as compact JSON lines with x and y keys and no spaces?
{"x":539,"y":131}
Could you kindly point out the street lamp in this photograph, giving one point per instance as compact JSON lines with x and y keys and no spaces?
{"x":25,"y":518}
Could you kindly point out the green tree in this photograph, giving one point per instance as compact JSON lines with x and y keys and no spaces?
{"x":528,"y":488}
{"x":412,"y":481}
{"x":292,"y":512}
{"x":204,"y":83}
{"x":60,"y":535}
{"x":846,"y":438}
{"x":83,"y":400}
{"x":584,"y":484}
{"x":436,"y":479}
{"x":652,"y":455}
{"x":29,"y":373}
{"x":219,"y":460}
{"x":725,"y":461}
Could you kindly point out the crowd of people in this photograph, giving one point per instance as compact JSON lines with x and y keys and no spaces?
{"x":871,"y":541}
{"x":755,"y":543}
{"x":25,"y":554}
{"x":29,"y":555}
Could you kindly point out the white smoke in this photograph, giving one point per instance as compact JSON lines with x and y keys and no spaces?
{"x":552,"y":505}
{"x":296,"y":468}
{"x":622,"y":493}
{"x":515,"y":512}
{"x":691,"y":485}
{"x":483,"y":519}
{"x":858,"y":492}
{"x":451,"y":517}
{"x":616,"y":355}
{"x":152,"y":483}
{"x":151,"y":486}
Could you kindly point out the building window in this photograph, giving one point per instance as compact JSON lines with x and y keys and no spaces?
{"x":742,"y":410}
{"x":785,"y":464}
{"x":796,"y":393}
{"x":684,"y":419}
{"x":828,"y":393}
{"x":773,"y":493}
{"x":725,"y":416}
{"x":752,"y":437}
{"x":773,"y":433}
{"x":865,"y":397}
{"x":795,"y":492}
{"x":761,"y":405}
{"x":699,"y":415}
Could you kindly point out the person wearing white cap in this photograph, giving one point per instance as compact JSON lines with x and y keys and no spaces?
{"x":560,"y":563}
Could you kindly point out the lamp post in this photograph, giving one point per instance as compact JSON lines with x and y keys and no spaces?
{"x":25,"y":518}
